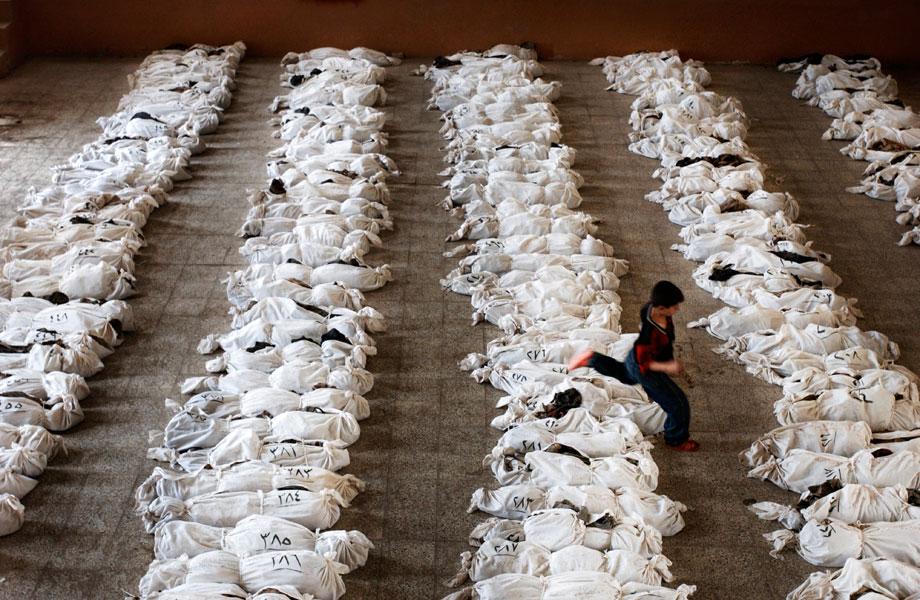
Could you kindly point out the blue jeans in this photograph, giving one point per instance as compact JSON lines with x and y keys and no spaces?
{"x":660,"y":388}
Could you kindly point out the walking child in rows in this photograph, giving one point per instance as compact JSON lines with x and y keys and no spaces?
{"x":651,"y":364}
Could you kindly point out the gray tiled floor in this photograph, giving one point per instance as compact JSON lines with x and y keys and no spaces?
{"x":421,"y":449}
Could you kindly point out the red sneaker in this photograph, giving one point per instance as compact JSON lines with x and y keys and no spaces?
{"x":687,"y":446}
{"x":580,"y":360}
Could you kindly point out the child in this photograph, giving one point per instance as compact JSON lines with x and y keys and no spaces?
{"x":650,"y":362}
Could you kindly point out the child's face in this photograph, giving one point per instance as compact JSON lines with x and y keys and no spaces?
{"x":670,"y":311}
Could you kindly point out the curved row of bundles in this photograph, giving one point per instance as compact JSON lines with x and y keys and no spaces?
{"x":849,"y":435}
{"x":878,"y":127}
{"x":575,"y":513}
{"x":67,"y":259}
{"x":251,"y":486}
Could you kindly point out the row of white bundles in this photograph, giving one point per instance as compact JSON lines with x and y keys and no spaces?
{"x":880,"y":129}
{"x":252,"y":481}
{"x":850,"y":417}
{"x":67,"y":259}
{"x":576,"y":513}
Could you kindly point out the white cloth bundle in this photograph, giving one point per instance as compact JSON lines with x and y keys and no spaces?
{"x":849,"y":369}
{"x":192,"y":429}
{"x":600,"y":403}
{"x":272,"y":401}
{"x":243,"y":292}
{"x":843,"y":438}
{"x":752,"y":260}
{"x":800,"y":470}
{"x":15,"y":483}
{"x":226,"y":509}
{"x":518,"y":501}
{"x":12,"y":514}
{"x":830,"y":543}
{"x":196,"y":591}
{"x":304,"y":570}
{"x":24,"y":460}
{"x":32,"y":437}
{"x":577,"y":429}
{"x":731,"y":322}
{"x":558,"y":528}
{"x":881,"y":143}
{"x":250,"y":476}
{"x":360,"y":278}
{"x":853,"y":503}
{"x":477,"y":228}
{"x":587,"y":585}
{"x":260,"y":533}
{"x":210,"y":567}
{"x":878,"y":577}
{"x":633,"y":469}
{"x":57,"y":416}
{"x":562,"y":244}
{"x":874,"y":405}
{"x":554,"y":347}
{"x":502,"y":556}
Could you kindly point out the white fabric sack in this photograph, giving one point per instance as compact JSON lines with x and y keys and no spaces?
{"x":800,"y":470}
{"x":198,"y":591}
{"x":883,"y":577}
{"x":558,"y":528}
{"x":260,"y":533}
{"x":586,"y":585}
{"x":12,"y":514}
{"x":548,"y":469}
{"x":33,"y":437}
{"x":307,"y":571}
{"x":244,"y":477}
{"x":502,"y":556}
{"x":829,"y":437}
{"x":310,"y":509}
{"x":830,"y":543}
{"x":210,"y":567}
{"x":518,"y":501}
{"x":364,"y":279}
{"x":15,"y":483}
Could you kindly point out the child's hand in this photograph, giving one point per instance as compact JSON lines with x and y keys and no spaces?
{"x":674,"y":367}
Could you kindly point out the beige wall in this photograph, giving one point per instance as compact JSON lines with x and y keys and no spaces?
{"x":705,"y":29}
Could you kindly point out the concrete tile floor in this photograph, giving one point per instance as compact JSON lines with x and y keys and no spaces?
{"x":420,"y":451}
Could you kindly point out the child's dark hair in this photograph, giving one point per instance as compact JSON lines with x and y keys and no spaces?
{"x":666,"y":294}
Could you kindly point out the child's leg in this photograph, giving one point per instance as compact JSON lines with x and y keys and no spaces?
{"x":611,"y":367}
{"x":666,"y":394}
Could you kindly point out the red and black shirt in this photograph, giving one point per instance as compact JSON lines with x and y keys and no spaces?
{"x":655,"y":343}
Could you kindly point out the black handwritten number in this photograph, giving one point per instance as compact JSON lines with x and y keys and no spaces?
{"x":519,"y":377}
{"x":283,"y":451}
{"x":300,"y":472}
{"x":506,"y":547}
{"x":537,"y":355}
{"x":289,"y":498}
{"x":520,"y":503}
{"x":273,"y":540}
{"x":12,"y":406}
{"x":286,"y":562}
